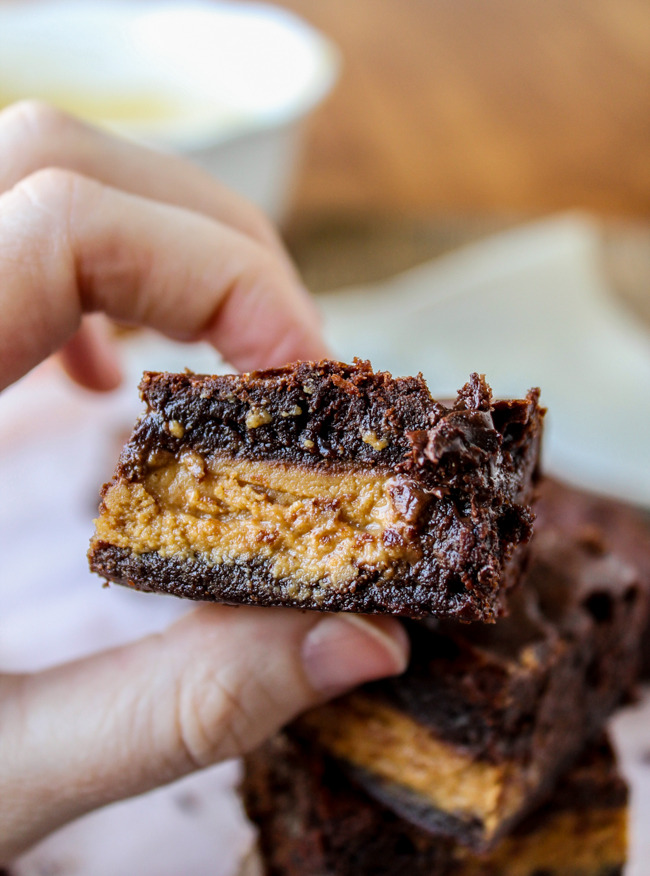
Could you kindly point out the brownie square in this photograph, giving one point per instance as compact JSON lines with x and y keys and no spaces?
{"x":323,"y":486}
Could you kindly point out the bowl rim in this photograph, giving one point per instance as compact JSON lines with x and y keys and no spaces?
{"x":326,"y":70}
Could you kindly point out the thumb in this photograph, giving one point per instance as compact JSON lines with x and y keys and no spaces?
{"x":213,"y":686}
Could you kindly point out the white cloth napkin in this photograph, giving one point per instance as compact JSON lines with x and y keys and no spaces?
{"x":529,"y":307}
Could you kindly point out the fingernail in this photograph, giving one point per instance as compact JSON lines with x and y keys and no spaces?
{"x":345,"y":650}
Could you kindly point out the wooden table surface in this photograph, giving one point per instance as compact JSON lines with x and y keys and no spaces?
{"x":481,"y":107}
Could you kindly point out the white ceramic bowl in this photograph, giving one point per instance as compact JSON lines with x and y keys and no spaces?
{"x":225,"y":83}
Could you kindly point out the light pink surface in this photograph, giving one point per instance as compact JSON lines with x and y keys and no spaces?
{"x":57,"y":445}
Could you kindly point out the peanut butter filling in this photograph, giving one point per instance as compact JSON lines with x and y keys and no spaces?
{"x":391,"y":745}
{"x":309,"y":524}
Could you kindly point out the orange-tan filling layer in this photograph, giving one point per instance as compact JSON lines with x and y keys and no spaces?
{"x":315,"y":525}
{"x":390,"y":745}
{"x":570,"y":843}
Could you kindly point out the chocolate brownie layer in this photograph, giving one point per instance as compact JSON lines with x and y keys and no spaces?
{"x":313,"y":821}
{"x":323,"y":486}
{"x":487,"y":717}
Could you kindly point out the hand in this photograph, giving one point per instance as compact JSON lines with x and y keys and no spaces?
{"x":150,"y":240}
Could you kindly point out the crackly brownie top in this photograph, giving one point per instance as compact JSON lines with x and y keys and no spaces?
{"x":329,"y":412}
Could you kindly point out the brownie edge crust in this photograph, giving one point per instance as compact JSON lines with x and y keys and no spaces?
{"x":323,"y":486}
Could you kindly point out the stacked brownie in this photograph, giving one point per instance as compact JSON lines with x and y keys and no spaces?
{"x":453,"y":760}
{"x":313,"y":820}
{"x":332,"y":487}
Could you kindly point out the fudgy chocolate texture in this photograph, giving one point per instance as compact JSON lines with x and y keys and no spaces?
{"x":339,"y":404}
{"x":464,"y":473}
{"x":313,"y":821}
{"x":527,"y":692}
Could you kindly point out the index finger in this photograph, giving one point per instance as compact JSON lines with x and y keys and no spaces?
{"x":35,"y":136}
{"x":70,"y":245}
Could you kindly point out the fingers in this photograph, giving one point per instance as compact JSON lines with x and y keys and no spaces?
{"x":35,"y":136}
{"x":69,"y":245}
{"x":90,"y":357}
{"x":212,"y":687}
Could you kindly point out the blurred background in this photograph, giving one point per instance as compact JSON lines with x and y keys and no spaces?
{"x":458,"y":106}
{"x":450,"y":111}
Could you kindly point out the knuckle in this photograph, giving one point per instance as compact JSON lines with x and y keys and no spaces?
{"x":211,"y":722}
{"x":35,"y":121}
{"x":268,"y":267}
{"x":50,"y":187}
{"x":262,"y":262}
{"x":55,"y":200}
{"x":259,"y":226}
